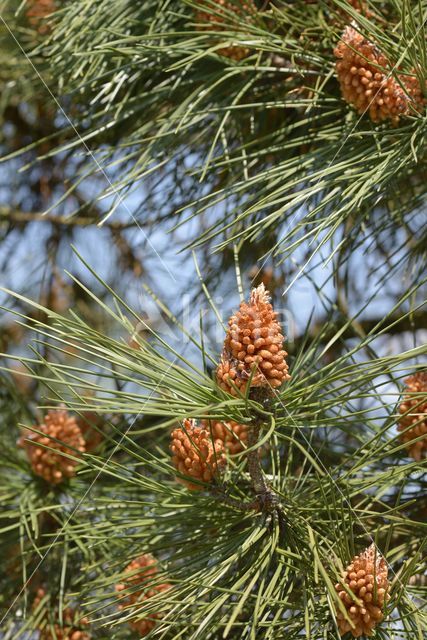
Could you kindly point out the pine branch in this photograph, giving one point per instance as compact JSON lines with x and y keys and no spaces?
{"x":13,"y":215}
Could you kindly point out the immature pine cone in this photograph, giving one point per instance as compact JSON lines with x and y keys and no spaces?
{"x":253,"y":347}
{"x":71,"y":628}
{"x":221,"y":15}
{"x":415,"y":408}
{"x":366,"y":84}
{"x":233,"y":435}
{"x":48,"y":464}
{"x":195,"y":455}
{"x":366,"y":578}
{"x":140,"y":571}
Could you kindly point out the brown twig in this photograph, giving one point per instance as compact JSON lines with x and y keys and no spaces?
{"x":266,"y":497}
{"x":15,"y":215}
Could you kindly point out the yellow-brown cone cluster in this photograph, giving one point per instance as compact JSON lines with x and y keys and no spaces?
{"x":196,"y":455}
{"x":71,"y":628}
{"x":37,"y":12}
{"x":142,"y":571}
{"x":366,"y":81}
{"x":233,"y":435}
{"x":219,"y":17}
{"x":414,"y":408}
{"x":253,"y":347}
{"x":50,"y":463}
{"x":365,"y":578}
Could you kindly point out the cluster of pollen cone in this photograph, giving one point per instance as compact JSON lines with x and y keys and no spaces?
{"x":60,"y":436}
{"x":253,"y":351}
{"x":37,"y":12}
{"x":49,"y":448}
{"x":140,"y":584}
{"x":198,"y":451}
{"x":71,"y":626}
{"x":363,"y":590}
{"x":196,"y":455}
{"x":218,"y":16}
{"x":234,"y":436}
{"x":253,"y":356}
{"x":368,"y":84}
{"x":413,"y":420}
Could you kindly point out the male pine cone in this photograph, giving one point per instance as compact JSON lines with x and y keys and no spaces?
{"x":233,"y":435}
{"x":141,"y":584}
{"x":364,"y":579}
{"x":196,"y":455}
{"x":366,"y":82}
{"x":37,"y":13}
{"x":72,"y":627}
{"x":253,"y":348}
{"x":60,"y":436}
{"x":219,"y":17}
{"x":413,"y":422}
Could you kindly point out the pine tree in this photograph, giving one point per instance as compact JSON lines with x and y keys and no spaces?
{"x":214,"y":395}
